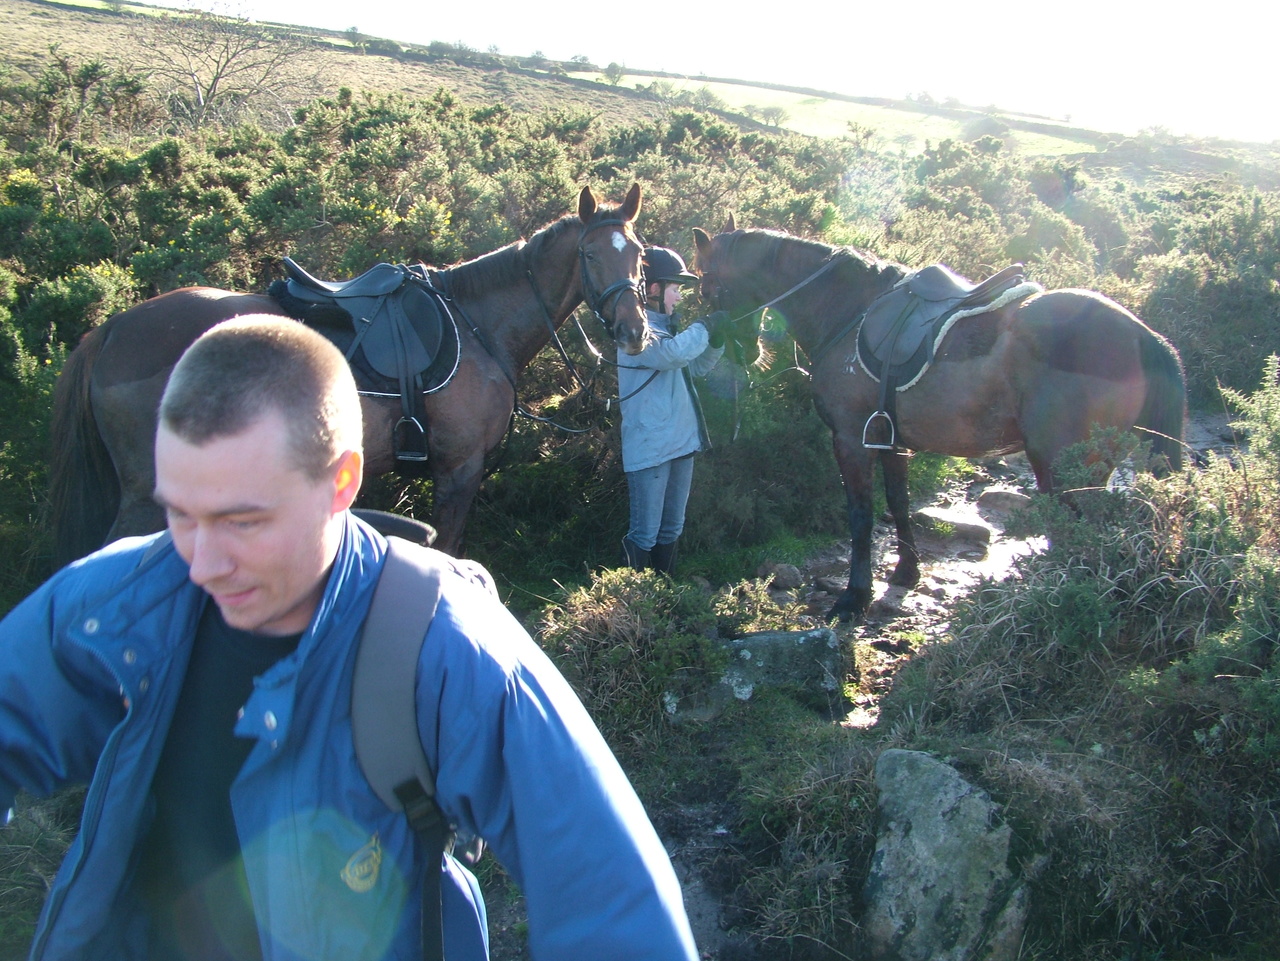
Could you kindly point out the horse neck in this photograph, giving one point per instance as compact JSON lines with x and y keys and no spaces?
{"x":831,"y":300}
{"x":532,"y":281}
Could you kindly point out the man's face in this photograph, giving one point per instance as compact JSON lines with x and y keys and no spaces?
{"x":257,"y":532}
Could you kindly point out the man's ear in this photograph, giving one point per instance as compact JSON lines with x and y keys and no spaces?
{"x":346,"y":480}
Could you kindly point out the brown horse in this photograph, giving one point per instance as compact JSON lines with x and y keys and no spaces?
{"x":1036,"y":374}
{"x":105,"y":402}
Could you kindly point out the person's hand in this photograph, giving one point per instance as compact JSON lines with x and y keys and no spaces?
{"x":717,"y":325}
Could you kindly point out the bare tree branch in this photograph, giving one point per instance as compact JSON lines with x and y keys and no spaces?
{"x":217,"y":69}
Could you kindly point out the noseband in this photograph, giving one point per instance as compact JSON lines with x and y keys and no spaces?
{"x":598,"y":301}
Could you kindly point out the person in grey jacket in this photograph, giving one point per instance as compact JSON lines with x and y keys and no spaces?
{"x":200,"y":682}
{"x":662,"y":423}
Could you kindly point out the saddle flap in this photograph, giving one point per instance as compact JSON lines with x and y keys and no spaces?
{"x":379,"y":280}
{"x":405,"y":333}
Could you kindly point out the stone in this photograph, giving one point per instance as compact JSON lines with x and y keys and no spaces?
{"x":1001,"y":503}
{"x":786,"y":577}
{"x":940,"y":886}
{"x":811,"y":660}
{"x":962,"y":526}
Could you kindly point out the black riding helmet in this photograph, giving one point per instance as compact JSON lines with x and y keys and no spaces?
{"x":662,"y":265}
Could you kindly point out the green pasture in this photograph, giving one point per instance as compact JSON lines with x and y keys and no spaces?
{"x":815,"y":116}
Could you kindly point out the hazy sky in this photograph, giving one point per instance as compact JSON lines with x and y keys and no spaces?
{"x":1116,"y":65}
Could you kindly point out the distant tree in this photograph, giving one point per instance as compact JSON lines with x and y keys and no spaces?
{"x":704,"y":98}
{"x":774,"y":116}
{"x":355,"y":38}
{"x":220,"y":70}
{"x":615,"y":72}
{"x":580,"y":60}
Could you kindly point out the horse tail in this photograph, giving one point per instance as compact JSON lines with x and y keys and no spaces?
{"x":1165,"y":406}
{"x":84,"y":492}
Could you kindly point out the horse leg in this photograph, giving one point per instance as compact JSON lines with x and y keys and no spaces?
{"x":455,"y":490}
{"x":895,"y":467}
{"x":857,"y":468}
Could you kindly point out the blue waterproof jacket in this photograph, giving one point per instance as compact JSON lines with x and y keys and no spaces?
{"x":661,"y":419}
{"x":91,"y":666}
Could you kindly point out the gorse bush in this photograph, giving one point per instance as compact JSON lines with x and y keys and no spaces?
{"x":1118,"y":696}
{"x":629,"y":641}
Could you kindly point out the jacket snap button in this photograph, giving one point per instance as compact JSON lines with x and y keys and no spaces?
{"x":91,"y":626}
{"x":143,"y":685}
{"x":130,"y":655}
{"x":269,"y":719}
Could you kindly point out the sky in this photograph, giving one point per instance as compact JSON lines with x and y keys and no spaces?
{"x":1202,"y":70}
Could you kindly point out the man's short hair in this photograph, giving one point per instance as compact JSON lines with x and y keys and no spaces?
{"x":237,"y":371}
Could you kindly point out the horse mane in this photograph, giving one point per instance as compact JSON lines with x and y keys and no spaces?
{"x":773,"y":243}
{"x":502,"y":267}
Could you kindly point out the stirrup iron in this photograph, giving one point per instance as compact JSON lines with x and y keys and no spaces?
{"x":866,"y":429}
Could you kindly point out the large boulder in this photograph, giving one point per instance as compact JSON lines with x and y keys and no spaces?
{"x":940,"y":887}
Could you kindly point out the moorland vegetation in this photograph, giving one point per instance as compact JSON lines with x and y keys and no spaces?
{"x":1118,"y":698}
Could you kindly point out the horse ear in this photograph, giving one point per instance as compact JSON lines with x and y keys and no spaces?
{"x":631,"y":206}
{"x":730,"y":226}
{"x":587,"y":204}
{"x":701,"y":243}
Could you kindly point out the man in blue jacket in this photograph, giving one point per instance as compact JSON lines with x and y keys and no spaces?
{"x":202,"y":688}
{"x":662,"y":426}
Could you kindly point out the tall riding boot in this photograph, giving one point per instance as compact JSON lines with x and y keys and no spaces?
{"x":634,"y":556}
{"x":663,"y":557}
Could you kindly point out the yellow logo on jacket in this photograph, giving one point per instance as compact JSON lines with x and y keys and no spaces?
{"x":361,"y":871}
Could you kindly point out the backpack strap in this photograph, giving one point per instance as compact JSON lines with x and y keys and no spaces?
{"x":384,"y":711}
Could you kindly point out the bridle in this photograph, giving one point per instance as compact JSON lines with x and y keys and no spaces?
{"x":598,"y":301}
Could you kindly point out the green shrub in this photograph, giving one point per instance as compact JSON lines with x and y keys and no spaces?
{"x":627,"y":639}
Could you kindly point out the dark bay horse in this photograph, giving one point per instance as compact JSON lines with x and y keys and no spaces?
{"x":105,"y":401}
{"x":1036,"y":374}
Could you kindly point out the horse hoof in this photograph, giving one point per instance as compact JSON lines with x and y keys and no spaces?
{"x":848,"y":607}
{"x":905,"y":578}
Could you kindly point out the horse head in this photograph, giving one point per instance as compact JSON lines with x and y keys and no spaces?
{"x":720,"y":289}
{"x":609,"y":264}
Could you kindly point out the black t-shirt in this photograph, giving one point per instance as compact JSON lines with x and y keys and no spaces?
{"x":192,"y":872}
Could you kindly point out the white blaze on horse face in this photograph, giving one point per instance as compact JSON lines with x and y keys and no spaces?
{"x":619,"y":241}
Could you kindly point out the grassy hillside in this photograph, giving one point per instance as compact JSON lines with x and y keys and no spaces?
{"x":96,"y":28}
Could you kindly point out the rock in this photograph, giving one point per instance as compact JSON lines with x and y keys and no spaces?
{"x":1001,"y":503}
{"x":963,"y":527}
{"x":786,"y":577}
{"x":831,"y":585}
{"x":810,"y":660}
{"x":780,"y":577}
{"x":940,"y":888}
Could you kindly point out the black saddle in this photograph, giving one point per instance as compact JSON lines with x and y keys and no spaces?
{"x":900,"y":329}
{"x":402,"y":332}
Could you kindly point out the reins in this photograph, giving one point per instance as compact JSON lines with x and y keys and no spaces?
{"x":835,"y":257}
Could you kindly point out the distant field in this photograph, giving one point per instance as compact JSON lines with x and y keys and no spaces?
{"x":824,"y":117}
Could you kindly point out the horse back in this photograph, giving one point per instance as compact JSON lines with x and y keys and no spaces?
{"x":148,"y":339}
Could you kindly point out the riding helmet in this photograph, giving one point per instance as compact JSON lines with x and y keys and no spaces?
{"x":662,"y":265}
